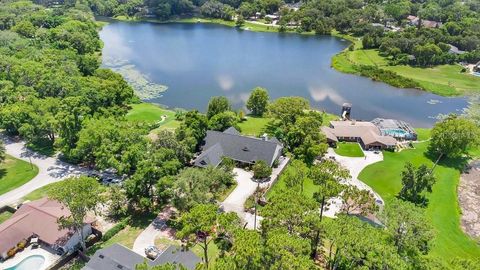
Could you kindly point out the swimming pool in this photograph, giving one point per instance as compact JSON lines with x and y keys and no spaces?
{"x":397,"y":133}
{"x":34,"y":262}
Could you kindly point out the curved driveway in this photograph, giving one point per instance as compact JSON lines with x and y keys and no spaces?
{"x":50,"y":170}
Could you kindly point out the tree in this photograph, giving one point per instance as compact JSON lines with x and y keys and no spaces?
{"x":295,"y":175}
{"x":258,"y":101}
{"x":240,"y":21}
{"x":25,"y":28}
{"x":327,"y":175}
{"x":199,"y":186}
{"x":117,"y":201}
{"x":358,"y":201}
{"x":261,"y":170}
{"x":453,"y":136}
{"x":355,"y":244}
{"x":427,"y":54}
{"x":224,"y":120}
{"x":2,"y":152}
{"x":198,"y":226}
{"x":415,"y":182}
{"x":217,"y":105}
{"x":287,"y":109}
{"x":408,"y":228}
{"x":80,"y":195}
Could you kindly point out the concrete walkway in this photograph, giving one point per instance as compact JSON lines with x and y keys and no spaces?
{"x":246,"y":187}
{"x":158,"y":228}
{"x":355,"y":165}
{"x":50,"y":170}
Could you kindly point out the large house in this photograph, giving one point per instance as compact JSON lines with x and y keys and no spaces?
{"x":117,"y":257}
{"x":366,"y":133}
{"x":232,"y":144}
{"x":39,"y":219}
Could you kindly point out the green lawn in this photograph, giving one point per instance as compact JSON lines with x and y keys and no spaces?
{"x":152,"y":113}
{"x":38,"y":193}
{"x":443,"y":210}
{"x":254,"y":126}
{"x":445,"y":80}
{"x":14,"y":173}
{"x":4,"y":216}
{"x":349,"y":149}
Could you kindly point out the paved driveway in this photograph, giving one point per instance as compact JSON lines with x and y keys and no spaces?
{"x":50,"y":170}
{"x":158,"y":228}
{"x":246,"y":187}
{"x":355,"y":165}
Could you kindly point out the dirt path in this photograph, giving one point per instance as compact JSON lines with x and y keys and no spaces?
{"x":469,"y":198}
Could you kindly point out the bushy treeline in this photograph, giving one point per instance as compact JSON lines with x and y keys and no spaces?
{"x":50,"y":80}
{"x":460,"y":23}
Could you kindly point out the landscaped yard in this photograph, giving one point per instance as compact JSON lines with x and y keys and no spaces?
{"x":443,"y":210}
{"x":349,"y":149}
{"x":444,"y":80}
{"x":14,"y":173}
{"x":254,"y":126}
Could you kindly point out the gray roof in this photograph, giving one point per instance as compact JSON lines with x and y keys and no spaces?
{"x":117,"y":257}
{"x":237,"y":147}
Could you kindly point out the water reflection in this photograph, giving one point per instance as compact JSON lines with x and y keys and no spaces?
{"x":197,"y":61}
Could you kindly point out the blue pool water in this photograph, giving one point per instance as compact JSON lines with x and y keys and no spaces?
{"x":397,"y":133}
{"x":33,"y":262}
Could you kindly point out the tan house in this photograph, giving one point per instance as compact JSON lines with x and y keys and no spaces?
{"x":39,"y":219}
{"x":365,"y":133}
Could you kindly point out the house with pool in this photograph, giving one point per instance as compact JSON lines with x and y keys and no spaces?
{"x":379,"y":134}
{"x":36,"y":223}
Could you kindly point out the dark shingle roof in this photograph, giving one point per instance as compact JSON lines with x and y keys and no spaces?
{"x":237,"y":147}
{"x":117,"y":257}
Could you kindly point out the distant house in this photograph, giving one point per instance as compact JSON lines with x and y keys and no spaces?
{"x":117,"y":257}
{"x":232,"y":144}
{"x":454,"y":50}
{"x":39,"y":218}
{"x":366,"y":134}
{"x":414,"y":21}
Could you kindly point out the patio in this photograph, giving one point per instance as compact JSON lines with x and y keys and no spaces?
{"x":48,"y":254}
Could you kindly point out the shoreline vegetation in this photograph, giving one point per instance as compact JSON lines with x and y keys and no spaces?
{"x":443,"y":80}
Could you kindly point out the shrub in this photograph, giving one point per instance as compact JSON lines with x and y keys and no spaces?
{"x":390,"y":77}
{"x":115,"y":229}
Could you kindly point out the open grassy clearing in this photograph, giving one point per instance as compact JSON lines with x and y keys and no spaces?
{"x":445,"y":80}
{"x":349,"y":149}
{"x":14,"y":173}
{"x":150,"y":113}
{"x":443,"y":210}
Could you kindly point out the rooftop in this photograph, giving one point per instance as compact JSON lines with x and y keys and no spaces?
{"x":117,"y":257}
{"x":37,"y":217}
{"x":237,"y":147}
{"x":366,"y":131}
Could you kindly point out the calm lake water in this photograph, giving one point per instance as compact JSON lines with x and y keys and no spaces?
{"x":198,"y":61}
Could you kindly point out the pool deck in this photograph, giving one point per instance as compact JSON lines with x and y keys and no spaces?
{"x":50,"y":257}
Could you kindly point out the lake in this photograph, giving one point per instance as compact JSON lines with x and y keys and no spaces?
{"x":194,"y":62}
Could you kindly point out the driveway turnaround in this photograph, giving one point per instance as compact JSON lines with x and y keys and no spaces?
{"x":158,"y":228}
{"x":355,"y":165}
{"x":50,"y":170}
{"x":246,"y":187}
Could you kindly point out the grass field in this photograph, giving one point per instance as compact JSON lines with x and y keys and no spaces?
{"x":349,"y":149}
{"x":14,"y":173}
{"x":445,"y":80}
{"x":443,"y":210}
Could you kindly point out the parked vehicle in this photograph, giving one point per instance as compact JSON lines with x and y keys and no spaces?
{"x":152,"y":252}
